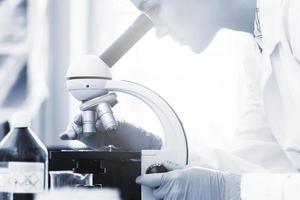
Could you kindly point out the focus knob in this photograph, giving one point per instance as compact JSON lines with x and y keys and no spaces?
{"x":156,"y":168}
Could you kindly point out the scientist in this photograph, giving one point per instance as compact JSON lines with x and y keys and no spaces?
{"x":268,"y":139}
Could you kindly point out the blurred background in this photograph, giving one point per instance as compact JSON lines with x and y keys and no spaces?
{"x":39,"y":38}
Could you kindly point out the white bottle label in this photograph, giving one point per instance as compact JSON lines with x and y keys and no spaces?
{"x":22,"y":177}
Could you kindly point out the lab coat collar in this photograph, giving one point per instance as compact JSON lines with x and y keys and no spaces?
{"x":270,"y":18}
{"x":270,"y":21}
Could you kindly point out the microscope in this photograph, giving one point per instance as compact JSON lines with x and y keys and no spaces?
{"x":90,"y":81}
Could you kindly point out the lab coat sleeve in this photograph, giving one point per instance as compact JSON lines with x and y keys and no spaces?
{"x":292,"y":26}
{"x":254,"y":141}
{"x":242,"y":157}
{"x":255,"y":150}
{"x":271,"y":186}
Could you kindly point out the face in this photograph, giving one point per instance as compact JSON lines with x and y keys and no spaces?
{"x":190,"y":22}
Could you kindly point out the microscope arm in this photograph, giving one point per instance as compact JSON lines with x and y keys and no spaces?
{"x":175,"y":138}
{"x":95,"y":80}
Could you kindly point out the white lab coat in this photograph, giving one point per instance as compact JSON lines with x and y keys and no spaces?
{"x":268,"y":139}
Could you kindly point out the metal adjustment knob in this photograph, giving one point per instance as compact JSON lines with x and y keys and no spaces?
{"x":156,"y":168}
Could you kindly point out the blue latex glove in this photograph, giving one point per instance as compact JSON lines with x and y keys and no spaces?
{"x":126,"y":137}
{"x":192,"y":183}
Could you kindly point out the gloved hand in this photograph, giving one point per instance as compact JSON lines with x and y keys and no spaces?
{"x":192,"y":183}
{"x":126,"y":137}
